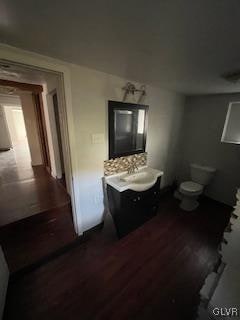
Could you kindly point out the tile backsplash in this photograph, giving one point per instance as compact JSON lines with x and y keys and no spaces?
{"x":118,"y":165}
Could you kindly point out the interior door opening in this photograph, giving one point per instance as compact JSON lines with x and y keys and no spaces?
{"x":35,"y":208}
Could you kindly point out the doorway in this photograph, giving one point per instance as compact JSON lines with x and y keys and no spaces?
{"x":36,"y":216}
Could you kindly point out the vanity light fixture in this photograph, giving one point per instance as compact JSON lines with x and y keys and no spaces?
{"x":131,"y":89}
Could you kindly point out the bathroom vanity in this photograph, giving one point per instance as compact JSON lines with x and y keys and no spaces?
{"x":133,"y":198}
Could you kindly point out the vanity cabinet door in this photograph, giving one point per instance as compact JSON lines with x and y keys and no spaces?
{"x":131,"y":209}
{"x":146,"y":202}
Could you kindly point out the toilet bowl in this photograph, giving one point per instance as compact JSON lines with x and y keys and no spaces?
{"x":190,"y":190}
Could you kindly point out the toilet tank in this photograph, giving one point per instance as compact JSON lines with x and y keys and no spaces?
{"x":201,"y":174}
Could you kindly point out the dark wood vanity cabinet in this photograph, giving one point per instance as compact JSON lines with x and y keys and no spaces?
{"x":131,"y":209}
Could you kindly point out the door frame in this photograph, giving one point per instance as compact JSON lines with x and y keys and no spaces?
{"x":57,"y":131}
{"x":36,"y":92}
{"x":39,"y":62}
{"x":41,"y":122}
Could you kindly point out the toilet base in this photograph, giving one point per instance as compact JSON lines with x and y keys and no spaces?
{"x":189,"y":203}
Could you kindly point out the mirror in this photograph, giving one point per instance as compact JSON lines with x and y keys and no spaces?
{"x":127,"y":128}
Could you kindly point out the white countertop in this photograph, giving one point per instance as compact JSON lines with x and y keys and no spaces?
{"x":117,"y":183}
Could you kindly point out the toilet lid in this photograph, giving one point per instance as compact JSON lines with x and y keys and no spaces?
{"x":191,"y":186}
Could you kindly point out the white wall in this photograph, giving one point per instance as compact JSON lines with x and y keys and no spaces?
{"x":4,"y":275}
{"x":25,"y":100}
{"x":10,"y":123}
{"x":6,"y":100}
{"x":203,"y":124}
{"x":91,"y":91}
{"x":19,"y":124}
{"x":10,"y":100}
{"x":87,"y":93}
{"x":165,"y":120}
{"x":29,"y":113}
{"x":15,"y":122}
{"x":5,"y":139}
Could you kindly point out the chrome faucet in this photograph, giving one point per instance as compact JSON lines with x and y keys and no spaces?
{"x":132,"y":167}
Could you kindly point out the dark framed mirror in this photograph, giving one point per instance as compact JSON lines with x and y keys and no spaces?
{"x":127,"y":123}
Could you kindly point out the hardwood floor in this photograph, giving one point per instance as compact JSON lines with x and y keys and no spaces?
{"x":26,"y":190}
{"x":31,"y":240}
{"x":35,"y":211}
{"x":155,"y":272}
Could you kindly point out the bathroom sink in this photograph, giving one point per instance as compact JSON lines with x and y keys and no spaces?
{"x":139,"y":177}
{"x":141,"y":180}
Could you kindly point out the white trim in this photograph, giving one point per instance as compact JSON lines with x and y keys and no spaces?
{"x":226,"y":124}
{"x":43,"y":63}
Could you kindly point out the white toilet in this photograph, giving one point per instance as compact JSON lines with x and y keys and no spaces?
{"x":190,"y":190}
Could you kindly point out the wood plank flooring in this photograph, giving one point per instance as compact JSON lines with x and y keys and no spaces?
{"x":26,"y":190}
{"x":155,"y":272}
{"x":30,"y":240}
{"x":35,"y":211}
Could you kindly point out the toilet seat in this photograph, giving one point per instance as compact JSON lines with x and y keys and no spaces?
{"x":191,"y":188}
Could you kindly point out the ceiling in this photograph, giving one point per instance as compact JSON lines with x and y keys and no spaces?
{"x":182,"y":45}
